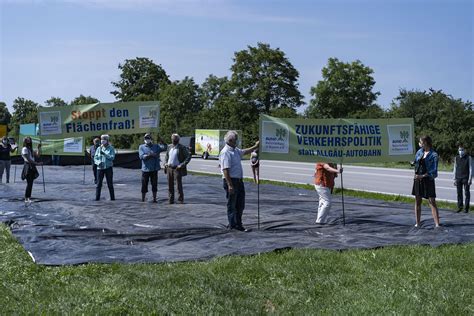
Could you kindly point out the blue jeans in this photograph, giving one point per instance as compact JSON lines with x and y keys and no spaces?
{"x":235,"y":202}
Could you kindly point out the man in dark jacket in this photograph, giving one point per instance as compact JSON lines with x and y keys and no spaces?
{"x":176,"y":159}
{"x":462,"y":174}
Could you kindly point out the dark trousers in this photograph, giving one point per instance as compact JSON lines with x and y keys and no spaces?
{"x":146,"y":177}
{"x":460,"y":184}
{"x":235,"y":202}
{"x":30,"y":177}
{"x":55,"y":160}
{"x":109,"y":175}
{"x":94,"y":171}
{"x":174,"y":175}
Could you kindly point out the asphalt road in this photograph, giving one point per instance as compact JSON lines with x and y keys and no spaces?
{"x":383,"y":180}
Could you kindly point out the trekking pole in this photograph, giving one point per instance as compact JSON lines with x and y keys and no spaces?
{"x":342,"y":195}
{"x":84,"y":173}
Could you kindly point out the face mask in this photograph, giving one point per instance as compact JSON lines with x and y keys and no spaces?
{"x":461,"y":153}
{"x":103,"y":142}
{"x":148,"y":141}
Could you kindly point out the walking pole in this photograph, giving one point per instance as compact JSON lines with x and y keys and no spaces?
{"x":258,"y":202}
{"x":342,"y":194}
{"x":42,"y":172}
{"x":84,"y":173}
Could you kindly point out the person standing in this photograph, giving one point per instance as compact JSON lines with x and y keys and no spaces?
{"x":426,"y":170}
{"x":255,"y":164}
{"x":30,"y":172}
{"x":463,"y":177}
{"x":149,"y":154}
{"x":92,"y":149}
{"x":176,"y":159}
{"x":104,"y":159}
{"x":324,"y":184}
{"x":230,"y":159}
{"x":5,"y":159}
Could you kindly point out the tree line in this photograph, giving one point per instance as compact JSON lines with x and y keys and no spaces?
{"x":263,"y":81}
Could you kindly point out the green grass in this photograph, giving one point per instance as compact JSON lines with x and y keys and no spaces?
{"x":401,"y":280}
{"x":442,"y":166}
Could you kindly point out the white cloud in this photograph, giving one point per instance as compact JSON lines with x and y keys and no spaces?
{"x":211,"y":9}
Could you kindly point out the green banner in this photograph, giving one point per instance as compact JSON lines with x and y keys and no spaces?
{"x":99,"y":118}
{"x":73,"y":146}
{"x":336,"y":140}
{"x":212,"y":141}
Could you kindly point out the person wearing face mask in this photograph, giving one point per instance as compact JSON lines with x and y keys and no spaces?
{"x":426,"y":170}
{"x":104,"y":159}
{"x":149,"y":154}
{"x":230,"y":159}
{"x":92,"y":149}
{"x":5,"y":159}
{"x":30,"y":172}
{"x":462,"y":174}
{"x":176,"y":159}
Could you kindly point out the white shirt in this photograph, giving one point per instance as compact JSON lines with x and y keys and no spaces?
{"x":26,"y":152}
{"x":231,"y":158}
{"x":173,"y":157}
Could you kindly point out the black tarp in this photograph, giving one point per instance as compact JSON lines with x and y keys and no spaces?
{"x":66,"y":226}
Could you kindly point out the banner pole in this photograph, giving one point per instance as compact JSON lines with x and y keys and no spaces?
{"x":342,"y":194}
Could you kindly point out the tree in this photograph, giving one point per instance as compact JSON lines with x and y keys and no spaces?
{"x":25,"y":111}
{"x":140,"y":77}
{"x":83,"y":100}
{"x":446,"y":119}
{"x":221,"y":109}
{"x":179,"y":107}
{"x":55,"y":101}
{"x":265,"y":79}
{"x":5,"y":115}
{"x":346,"y":89}
{"x":213,"y":90}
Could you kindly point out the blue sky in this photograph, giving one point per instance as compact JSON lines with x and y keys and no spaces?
{"x":72,"y":47}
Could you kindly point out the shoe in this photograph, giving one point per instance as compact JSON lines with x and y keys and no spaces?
{"x":180,"y":202}
{"x":466,"y":211}
{"x":459,"y":210}
{"x":242,"y":229}
{"x":416,"y":225}
{"x":171,"y":202}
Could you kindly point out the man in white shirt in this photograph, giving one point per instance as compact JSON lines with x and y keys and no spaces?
{"x":232,"y":173}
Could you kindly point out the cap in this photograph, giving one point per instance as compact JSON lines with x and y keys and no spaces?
{"x":147,"y":135}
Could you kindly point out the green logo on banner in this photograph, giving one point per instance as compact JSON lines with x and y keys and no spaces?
{"x":281,"y":133}
{"x":404,"y":136}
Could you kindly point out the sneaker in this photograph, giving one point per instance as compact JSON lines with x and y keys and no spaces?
{"x":416,"y":226}
{"x":459,"y":210}
{"x":242,"y":229}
